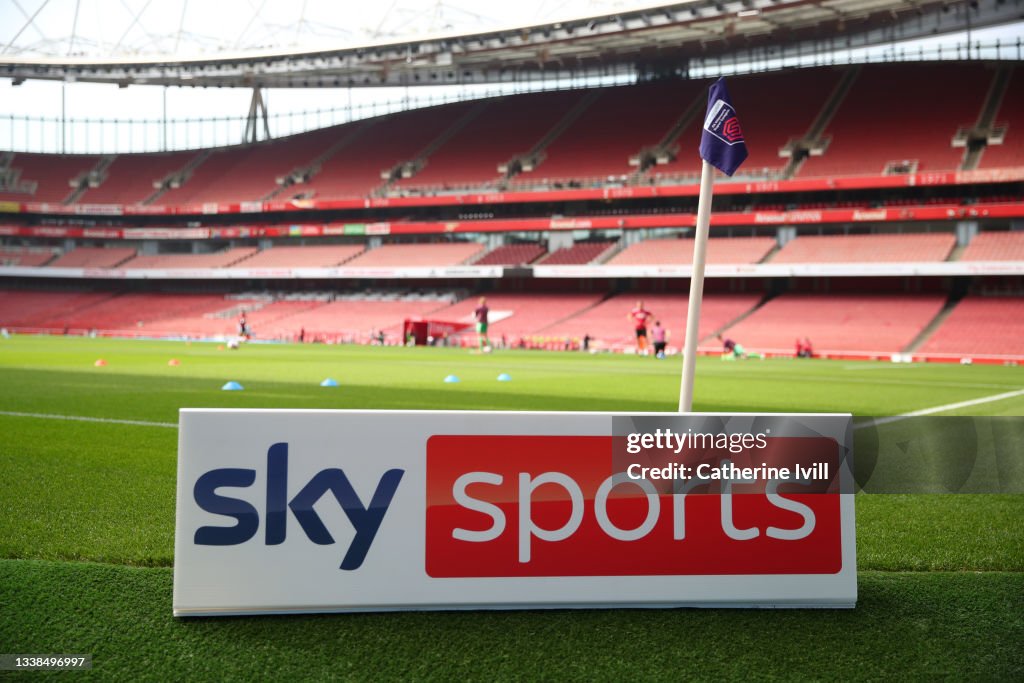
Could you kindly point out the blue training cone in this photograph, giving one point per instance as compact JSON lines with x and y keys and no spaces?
{"x":232,"y":386}
{"x":329,"y":382}
{"x":504,"y":377}
{"x":451,"y":379}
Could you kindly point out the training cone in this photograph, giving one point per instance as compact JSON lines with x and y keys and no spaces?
{"x":100,"y":363}
{"x":329,"y":382}
{"x":232,"y":386}
{"x":504,"y":377}
{"x":174,"y":362}
{"x":451,"y":379}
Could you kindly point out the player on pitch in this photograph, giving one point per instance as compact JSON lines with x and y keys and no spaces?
{"x":481,"y":325}
{"x":640,"y":315}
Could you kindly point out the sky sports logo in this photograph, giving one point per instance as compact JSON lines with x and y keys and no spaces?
{"x":721,"y":121}
{"x":522,"y":506}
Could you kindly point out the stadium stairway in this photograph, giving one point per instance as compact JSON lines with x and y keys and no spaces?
{"x":536,"y":154}
{"x":409,"y":168}
{"x":934,"y":325}
{"x":800,"y":149}
{"x":176,"y":178}
{"x":296,"y":179}
{"x":738,"y":319}
{"x":975,"y":139}
{"x":646,"y":159}
{"x":94,"y":177}
{"x":1009,"y":120}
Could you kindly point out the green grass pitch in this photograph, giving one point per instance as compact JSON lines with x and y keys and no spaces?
{"x":87,"y":524}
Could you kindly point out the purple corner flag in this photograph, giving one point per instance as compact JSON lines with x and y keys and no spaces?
{"x":721,"y":141}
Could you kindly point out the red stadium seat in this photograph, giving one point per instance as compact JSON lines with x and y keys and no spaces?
{"x":981,"y":326}
{"x":882,"y":324}
{"x":894,"y":248}
{"x":890,"y":114}
{"x":721,"y":250}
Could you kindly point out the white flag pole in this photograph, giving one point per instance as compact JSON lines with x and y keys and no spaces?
{"x":700,"y":246}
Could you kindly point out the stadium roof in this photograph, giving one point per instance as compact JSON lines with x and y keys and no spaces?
{"x":651,"y":37}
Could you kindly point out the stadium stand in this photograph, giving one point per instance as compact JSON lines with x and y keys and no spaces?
{"x":218,"y":259}
{"x":520,"y":315}
{"x":13,"y":256}
{"x":616,"y":126}
{"x":381,"y":144}
{"x":772,"y":123}
{"x":607,"y":322}
{"x":248,"y":172}
{"x":721,"y":250}
{"x":995,"y":246}
{"x":348,"y":319}
{"x":512,"y":255}
{"x":31,"y":308}
{"x":309,"y":256}
{"x":157,"y":314}
{"x":980,"y":326}
{"x":882,"y":324}
{"x":1010,"y":114}
{"x":50,"y":174}
{"x":460,"y":146}
{"x":892,"y":248}
{"x":266,"y":317}
{"x":578,"y":254}
{"x":416,"y":255}
{"x":130,"y":177}
{"x":923,"y":132}
{"x":93,"y":257}
{"x":220,"y":164}
{"x":501,"y":132}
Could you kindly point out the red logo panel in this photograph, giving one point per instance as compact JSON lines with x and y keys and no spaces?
{"x":504,"y":506}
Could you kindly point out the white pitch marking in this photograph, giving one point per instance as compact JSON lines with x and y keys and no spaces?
{"x":898,"y":366}
{"x":81,"y":418}
{"x":941,"y":409}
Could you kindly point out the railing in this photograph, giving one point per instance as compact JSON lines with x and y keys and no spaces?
{"x":72,"y":135}
{"x":798,"y":56}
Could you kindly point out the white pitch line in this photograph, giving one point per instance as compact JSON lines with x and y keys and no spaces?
{"x":862,"y":367}
{"x":861,"y":425}
{"x":82,"y":418}
{"x":941,"y":409}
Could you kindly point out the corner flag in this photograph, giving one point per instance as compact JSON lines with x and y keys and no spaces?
{"x":721,"y":146}
{"x":721,"y":141}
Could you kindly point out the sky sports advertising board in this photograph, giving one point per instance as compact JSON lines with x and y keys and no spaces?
{"x":283,"y":511}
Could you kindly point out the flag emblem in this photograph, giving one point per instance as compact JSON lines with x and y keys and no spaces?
{"x":731,"y":130}
{"x":722,"y":144}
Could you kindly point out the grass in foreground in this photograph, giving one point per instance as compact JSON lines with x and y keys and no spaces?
{"x":104,"y":493}
{"x":922,"y":625}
